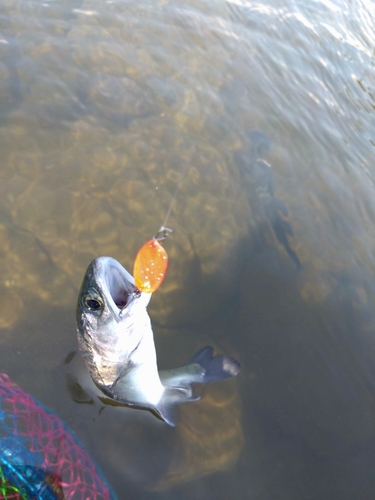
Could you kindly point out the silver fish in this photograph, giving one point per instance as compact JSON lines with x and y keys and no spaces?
{"x":116,"y":341}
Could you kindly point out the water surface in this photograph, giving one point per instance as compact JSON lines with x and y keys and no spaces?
{"x":269,"y":108}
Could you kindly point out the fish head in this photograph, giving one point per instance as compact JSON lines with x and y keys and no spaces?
{"x":111,"y":319}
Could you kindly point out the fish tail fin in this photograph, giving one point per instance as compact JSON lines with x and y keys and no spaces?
{"x":216,"y":367}
{"x":202,"y":367}
{"x":172,"y":396}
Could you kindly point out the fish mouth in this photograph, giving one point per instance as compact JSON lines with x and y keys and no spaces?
{"x":118,"y":283}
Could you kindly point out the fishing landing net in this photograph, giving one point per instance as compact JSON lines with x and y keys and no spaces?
{"x":40,"y":459}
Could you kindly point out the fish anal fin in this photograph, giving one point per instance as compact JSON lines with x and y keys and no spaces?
{"x":166,"y":408}
{"x":167,"y":412}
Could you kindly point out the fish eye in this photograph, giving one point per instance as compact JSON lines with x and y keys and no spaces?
{"x":92,"y":304}
{"x":92,"y":301}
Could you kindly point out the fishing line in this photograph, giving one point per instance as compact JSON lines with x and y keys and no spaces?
{"x":151,"y":262}
{"x":163,"y":229}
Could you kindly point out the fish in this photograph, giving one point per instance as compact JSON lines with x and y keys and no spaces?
{"x":116,"y":342}
{"x":275,"y":210}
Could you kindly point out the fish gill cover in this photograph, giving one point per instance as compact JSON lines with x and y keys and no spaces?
{"x":39,"y":457}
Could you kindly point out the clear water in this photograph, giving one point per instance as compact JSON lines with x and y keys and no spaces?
{"x":271,"y":109}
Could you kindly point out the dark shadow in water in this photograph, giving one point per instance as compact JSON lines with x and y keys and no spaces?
{"x":252,"y":165}
{"x":308,"y":384}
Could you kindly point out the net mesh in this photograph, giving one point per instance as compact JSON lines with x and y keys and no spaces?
{"x":39,"y":457}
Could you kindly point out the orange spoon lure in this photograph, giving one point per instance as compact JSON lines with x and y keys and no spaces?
{"x":151,"y":263}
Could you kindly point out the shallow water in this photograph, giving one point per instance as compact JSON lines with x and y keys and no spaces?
{"x":270,"y":109}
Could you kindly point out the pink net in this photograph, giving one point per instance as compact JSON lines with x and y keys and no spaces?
{"x":45,"y":443}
